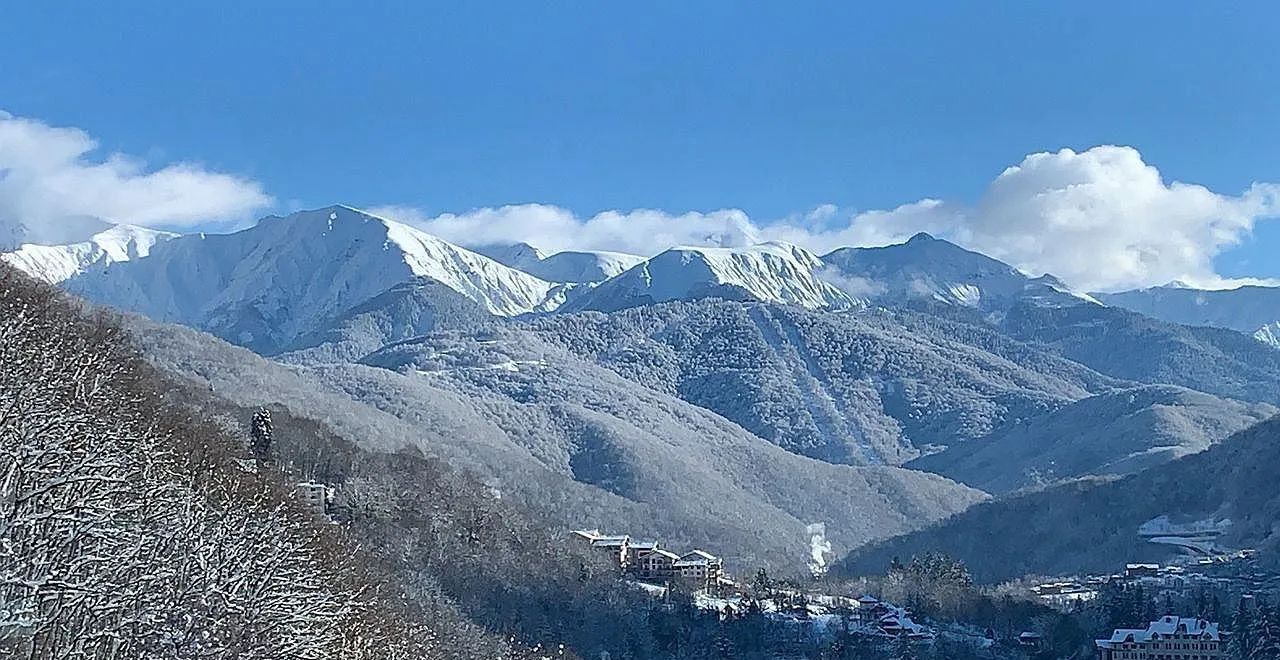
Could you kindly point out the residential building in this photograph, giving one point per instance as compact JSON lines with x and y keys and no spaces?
{"x":699,"y":566}
{"x":616,"y":548}
{"x":1141,"y":570}
{"x":896,"y":622}
{"x":654,"y":564}
{"x":314,"y":496}
{"x":1064,"y":595}
{"x":648,"y":561}
{"x":587,"y":535}
{"x":637,"y":548}
{"x":1169,"y":638}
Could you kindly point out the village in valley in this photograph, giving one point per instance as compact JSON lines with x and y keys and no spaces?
{"x":649,"y":566}
{"x":1188,"y":605}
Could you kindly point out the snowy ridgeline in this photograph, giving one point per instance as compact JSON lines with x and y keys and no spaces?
{"x":319,"y":263}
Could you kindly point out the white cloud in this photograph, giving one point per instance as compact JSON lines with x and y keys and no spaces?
{"x":641,"y":231}
{"x":49,"y":176}
{"x":1102,"y":219}
{"x":857,"y":287}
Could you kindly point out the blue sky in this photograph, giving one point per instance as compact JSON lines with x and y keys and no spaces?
{"x":774,"y":109}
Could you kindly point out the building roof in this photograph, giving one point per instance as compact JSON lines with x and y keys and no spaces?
{"x":660,"y":552}
{"x":611,"y":541}
{"x":699,"y":556}
{"x":1165,"y":626}
{"x":588,"y":534}
{"x":642,"y":546}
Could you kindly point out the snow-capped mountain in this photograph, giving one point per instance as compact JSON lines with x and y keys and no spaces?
{"x":16,"y":232}
{"x":569,"y":266}
{"x":1253,"y":310}
{"x":769,"y":272}
{"x":267,"y":285}
{"x":927,"y":268}
{"x":57,"y":263}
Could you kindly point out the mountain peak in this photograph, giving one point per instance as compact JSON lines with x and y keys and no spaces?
{"x":264,"y":286}
{"x":770,"y":272}
{"x":935,"y":269}
{"x":515,"y":255}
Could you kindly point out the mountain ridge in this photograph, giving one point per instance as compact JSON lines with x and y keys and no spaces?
{"x":575,"y":266}
{"x":267,"y":285}
{"x":935,"y":270}
{"x":57,"y":263}
{"x":1251,"y":309}
{"x":768,"y":272}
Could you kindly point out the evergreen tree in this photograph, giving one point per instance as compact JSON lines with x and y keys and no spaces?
{"x":260,"y":434}
{"x":761,"y":583}
{"x":1266,"y":634}
{"x":1240,"y":644}
{"x":1145,"y":607}
{"x":724,"y":646}
{"x":903,"y":649}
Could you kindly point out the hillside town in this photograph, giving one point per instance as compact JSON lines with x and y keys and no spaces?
{"x":648,"y":560}
{"x":1201,"y":597}
{"x":1232,"y":574}
{"x":650,"y":567}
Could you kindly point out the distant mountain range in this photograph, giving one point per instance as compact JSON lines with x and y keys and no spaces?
{"x":928,"y":269}
{"x":1254,"y":310}
{"x":569,"y":266}
{"x":720,"y":396}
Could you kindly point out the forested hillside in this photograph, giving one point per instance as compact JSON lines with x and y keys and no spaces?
{"x":1092,"y":524}
{"x":131,"y":528}
{"x":1131,"y":346}
{"x":855,"y":387}
{"x":456,"y":546}
{"x":556,"y":434}
{"x":1120,"y":432}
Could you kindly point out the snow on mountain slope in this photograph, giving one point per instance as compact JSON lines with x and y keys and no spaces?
{"x":574,"y":442}
{"x":265,"y":286}
{"x":933,"y":269}
{"x":769,"y":272}
{"x":570,"y":266}
{"x":57,"y":263}
{"x":1254,"y":310}
{"x":1269,"y":334}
